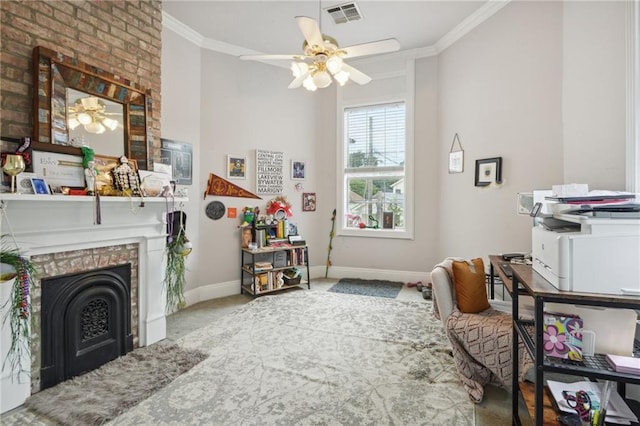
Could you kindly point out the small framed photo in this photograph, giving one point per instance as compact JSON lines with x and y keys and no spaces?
{"x":387,"y":220}
{"x":236,"y":167}
{"x":488,"y":171}
{"x":40,"y":186}
{"x":308,"y":201}
{"x":298,"y":171}
{"x":23,"y":182}
{"x":456,"y":162}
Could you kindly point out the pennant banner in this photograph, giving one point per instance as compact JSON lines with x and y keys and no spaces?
{"x":220,"y":186}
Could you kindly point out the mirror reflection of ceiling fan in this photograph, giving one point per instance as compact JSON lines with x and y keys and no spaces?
{"x":92,"y":113}
{"x":323,"y":60}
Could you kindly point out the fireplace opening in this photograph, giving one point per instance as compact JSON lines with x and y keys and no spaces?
{"x":85,"y":322}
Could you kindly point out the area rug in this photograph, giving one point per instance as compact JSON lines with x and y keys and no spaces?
{"x":315,"y":358}
{"x":103,"y":394}
{"x":377,"y":288}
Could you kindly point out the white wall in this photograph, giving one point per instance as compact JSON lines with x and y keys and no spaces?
{"x":500,"y":90}
{"x":246,"y":106}
{"x":181,"y":71}
{"x":594,"y":94}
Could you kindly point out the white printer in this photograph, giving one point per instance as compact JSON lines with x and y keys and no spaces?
{"x":588,"y":254}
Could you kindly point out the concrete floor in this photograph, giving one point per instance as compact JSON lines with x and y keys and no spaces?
{"x":495,"y":409}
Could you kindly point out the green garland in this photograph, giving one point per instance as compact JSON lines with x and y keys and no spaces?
{"x":18,"y":310}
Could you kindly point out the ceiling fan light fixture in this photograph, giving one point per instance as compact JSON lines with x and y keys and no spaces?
{"x":322,"y":79}
{"x":341,"y":77}
{"x":334,"y":64}
{"x":73,"y":123}
{"x":110,"y":123}
{"x":309,"y":84}
{"x":84,"y":118}
{"x":95,"y":127}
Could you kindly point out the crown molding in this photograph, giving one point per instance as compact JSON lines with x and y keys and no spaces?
{"x":476,"y":18}
{"x":486,"y":11}
{"x":181,"y":29}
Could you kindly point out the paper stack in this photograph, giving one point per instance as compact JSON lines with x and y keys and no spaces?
{"x":624,"y":364}
{"x":617,"y":410}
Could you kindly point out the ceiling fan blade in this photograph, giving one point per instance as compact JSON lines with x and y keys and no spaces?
{"x":310,"y":30}
{"x":298,"y":81}
{"x":272,"y":57}
{"x":372,"y":48}
{"x":356,"y":75}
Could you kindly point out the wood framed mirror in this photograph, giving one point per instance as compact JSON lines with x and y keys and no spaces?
{"x":58,"y":79}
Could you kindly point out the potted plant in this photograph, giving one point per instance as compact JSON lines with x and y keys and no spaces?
{"x":19,"y":272}
{"x":178,"y":248}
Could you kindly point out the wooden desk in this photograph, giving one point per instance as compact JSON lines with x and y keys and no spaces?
{"x":495,"y":261}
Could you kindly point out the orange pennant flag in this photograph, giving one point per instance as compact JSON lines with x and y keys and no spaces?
{"x":220,"y":186}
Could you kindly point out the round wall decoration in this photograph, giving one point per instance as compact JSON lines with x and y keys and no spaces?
{"x":215,"y":210}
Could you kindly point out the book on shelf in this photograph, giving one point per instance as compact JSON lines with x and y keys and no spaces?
{"x":259,"y":266}
{"x":617,"y":409}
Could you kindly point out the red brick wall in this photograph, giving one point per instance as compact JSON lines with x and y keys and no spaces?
{"x":121,"y":37}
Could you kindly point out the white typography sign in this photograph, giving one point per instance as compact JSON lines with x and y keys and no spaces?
{"x":269,"y":172}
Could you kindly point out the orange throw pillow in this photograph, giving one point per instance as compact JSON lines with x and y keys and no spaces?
{"x":471,"y":291}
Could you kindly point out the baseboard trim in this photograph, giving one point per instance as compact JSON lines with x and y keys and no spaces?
{"x":230,"y":288}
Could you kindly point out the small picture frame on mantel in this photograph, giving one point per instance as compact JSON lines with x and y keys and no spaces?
{"x":40,"y":186}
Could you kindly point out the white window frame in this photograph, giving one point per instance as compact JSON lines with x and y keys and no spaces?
{"x":342,"y":197}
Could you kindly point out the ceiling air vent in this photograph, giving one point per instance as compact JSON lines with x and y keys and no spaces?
{"x":344,"y":13}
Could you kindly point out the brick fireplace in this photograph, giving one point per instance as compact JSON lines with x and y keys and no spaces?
{"x":106,"y":277}
{"x":59,"y":235}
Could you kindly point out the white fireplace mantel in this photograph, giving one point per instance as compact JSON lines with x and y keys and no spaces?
{"x":43,"y":224}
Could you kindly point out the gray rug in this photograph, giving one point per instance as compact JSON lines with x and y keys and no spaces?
{"x":103,"y":394}
{"x":377,"y":288}
{"x":315,"y":358}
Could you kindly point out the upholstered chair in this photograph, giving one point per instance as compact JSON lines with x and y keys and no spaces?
{"x":480,"y":330}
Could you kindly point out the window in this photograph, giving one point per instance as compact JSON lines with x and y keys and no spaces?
{"x":374,"y":173}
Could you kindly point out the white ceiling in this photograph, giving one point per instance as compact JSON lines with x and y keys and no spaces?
{"x":269,"y":26}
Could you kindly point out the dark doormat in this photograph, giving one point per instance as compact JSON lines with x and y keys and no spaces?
{"x":376,"y":288}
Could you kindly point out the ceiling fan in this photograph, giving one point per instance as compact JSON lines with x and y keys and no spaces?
{"x":323,"y":59}
{"x":92,"y":113}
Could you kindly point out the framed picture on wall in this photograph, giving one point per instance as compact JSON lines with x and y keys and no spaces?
{"x":488,"y":171}
{"x":298,"y":171}
{"x":179,"y":155}
{"x":308,"y":201}
{"x":236,"y":167}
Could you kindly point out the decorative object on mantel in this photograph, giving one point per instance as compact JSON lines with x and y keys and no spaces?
{"x":178,"y":247}
{"x":220,"y":186}
{"x":17,"y":309}
{"x":90,"y":174}
{"x":13,"y":165}
{"x":489,"y":172}
{"x":456,"y":158}
{"x":331,"y":234}
{"x":125,"y":178}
